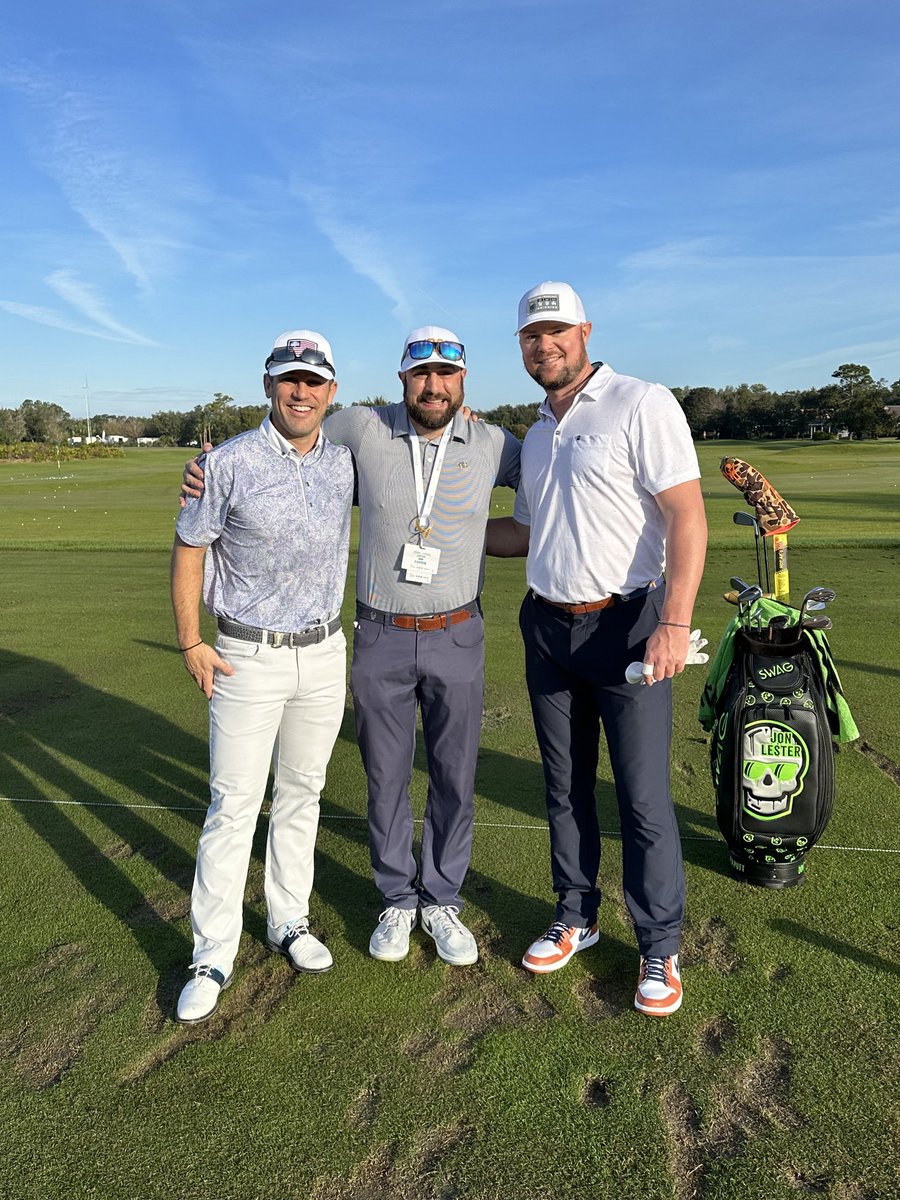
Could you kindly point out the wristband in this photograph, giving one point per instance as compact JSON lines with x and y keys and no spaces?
{"x":674,"y":624}
{"x":184,"y":649}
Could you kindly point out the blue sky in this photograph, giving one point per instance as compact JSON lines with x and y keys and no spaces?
{"x":184,"y":181}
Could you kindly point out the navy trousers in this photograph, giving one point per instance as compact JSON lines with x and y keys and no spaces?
{"x":575,"y":671}
{"x":394,"y":672}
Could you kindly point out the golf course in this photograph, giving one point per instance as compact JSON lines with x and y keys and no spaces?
{"x":778,"y":1078}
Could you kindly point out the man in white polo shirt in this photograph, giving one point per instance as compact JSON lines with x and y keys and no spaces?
{"x":267,"y":543}
{"x":609,"y":496}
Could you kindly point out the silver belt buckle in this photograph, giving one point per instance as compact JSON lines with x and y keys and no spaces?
{"x":277,"y":639}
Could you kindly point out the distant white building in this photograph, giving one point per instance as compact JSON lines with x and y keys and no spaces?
{"x":146,"y":441}
{"x":117,"y":439}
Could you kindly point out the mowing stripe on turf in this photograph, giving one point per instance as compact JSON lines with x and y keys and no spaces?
{"x":685,"y":837}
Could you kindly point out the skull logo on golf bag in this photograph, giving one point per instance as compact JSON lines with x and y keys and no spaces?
{"x":774,"y":762}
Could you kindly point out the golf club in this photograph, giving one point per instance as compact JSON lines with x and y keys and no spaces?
{"x":816,"y":599}
{"x":823,"y":623}
{"x":745,"y":518}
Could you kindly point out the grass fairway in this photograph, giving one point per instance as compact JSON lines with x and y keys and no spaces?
{"x":418,"y":1081}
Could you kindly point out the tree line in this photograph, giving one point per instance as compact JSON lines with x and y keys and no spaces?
{"x":855,"y":404}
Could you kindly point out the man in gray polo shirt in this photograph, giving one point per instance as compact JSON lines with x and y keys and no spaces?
{"x":267,"y":542}
{"x":425,"y":476}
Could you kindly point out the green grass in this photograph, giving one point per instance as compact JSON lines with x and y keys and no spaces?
{"x":417,"y":1080}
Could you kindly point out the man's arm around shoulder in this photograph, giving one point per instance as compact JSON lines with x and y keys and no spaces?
{"x":507,"y":538}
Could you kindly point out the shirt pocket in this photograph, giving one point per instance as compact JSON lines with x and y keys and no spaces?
{"x":588,"y":458}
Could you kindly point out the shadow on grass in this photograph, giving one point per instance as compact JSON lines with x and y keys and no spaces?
{"x":834,"y":945}
{"x":869,"y":668}
{"x":62,"y":736}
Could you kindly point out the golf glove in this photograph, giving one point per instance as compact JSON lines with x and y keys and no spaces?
{"x":636,"y":671}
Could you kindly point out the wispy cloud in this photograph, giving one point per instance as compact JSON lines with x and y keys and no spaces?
{"x":84,"y":300}
{"x":86,"y":303}
{"x":91,"y":144}
{"x":868,"y":352}
{"x":672,"y":256}
{"x":358,"y":246}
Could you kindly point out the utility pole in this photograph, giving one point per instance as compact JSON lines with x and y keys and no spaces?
{"x":87,"y":409}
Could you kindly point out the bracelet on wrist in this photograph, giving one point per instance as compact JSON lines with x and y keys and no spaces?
{"x":184,"y":649}
{"x":674,"y":624}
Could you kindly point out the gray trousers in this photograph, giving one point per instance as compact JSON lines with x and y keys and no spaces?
{"x":575,"y":670}
{"x":394,"y":672}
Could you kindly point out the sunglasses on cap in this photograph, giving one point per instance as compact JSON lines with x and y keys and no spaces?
{"x":291,"y":354}
{"x":454,"y":352}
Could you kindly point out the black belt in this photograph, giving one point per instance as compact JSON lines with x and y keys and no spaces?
{"x":423,"y":623}
{"x":589,"y":606}
{"x":274,"y":637}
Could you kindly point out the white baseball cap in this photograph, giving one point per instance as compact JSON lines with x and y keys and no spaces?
{"x":416,"y":351}
{"x":301,"y":350}
{"x":551,"y":302}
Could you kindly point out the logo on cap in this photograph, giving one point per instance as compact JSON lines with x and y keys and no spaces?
{"x":298,"y":345}
{"x":543,"y":304}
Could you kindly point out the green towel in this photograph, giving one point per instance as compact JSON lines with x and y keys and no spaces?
{"x":840,"y":719}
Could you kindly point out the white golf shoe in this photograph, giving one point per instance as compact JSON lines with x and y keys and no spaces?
{"x":303,"y":951}
{"x":390,"y":939}
{"x":199,"y":997}
{"x":455,"y":944}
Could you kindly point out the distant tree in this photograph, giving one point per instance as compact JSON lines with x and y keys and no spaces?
{"x":512,"y":417}
{"x":371,"y":402}
{"x":786,"y":417}
{"x":44,"y":422}
{"x":861,"y":409}
{"x":853,"y":378}
{"x":167,"y":425}
{"x":12,"y":425}
{"x":249,"y":416}
{"x":220,"y":419}
{"x":703,"y":408}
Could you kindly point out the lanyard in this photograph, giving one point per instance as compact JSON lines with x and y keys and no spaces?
{"x":425,"y":500}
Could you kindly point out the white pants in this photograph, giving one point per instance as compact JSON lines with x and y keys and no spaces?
{"x":279,"y":700}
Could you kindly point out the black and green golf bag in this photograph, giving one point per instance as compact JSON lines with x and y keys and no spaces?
{"x":772,"y":708}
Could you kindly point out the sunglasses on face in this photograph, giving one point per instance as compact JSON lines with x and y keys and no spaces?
{"x":454,"y":352}
{"x":293,"y":354}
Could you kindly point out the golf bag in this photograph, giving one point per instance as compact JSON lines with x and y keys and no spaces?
{"x":771,"y":756}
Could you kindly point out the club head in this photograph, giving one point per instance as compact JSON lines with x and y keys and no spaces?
{"x":745,"y":518}
{"x":823,"y":623}
{"x":817,"y":598}
{"x":750,"y":594}
{"x":739,"y":584}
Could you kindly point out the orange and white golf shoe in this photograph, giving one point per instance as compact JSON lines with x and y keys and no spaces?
{"x":659,"y":990}
{"x":554,"y":948}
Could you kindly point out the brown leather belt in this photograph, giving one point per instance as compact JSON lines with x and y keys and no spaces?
{"x":423,"y":624}
{"x":589,"y":606}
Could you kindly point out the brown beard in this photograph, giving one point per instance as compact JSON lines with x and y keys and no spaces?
{"x":564,"y":379}
{"x":433,"y":420}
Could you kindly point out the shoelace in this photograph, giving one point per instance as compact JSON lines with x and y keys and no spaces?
{"x":556,"y":933}
{"x":295,"y":928}
{"x":201,"y":971}
{"x":392,"y":917}
{"x":655,"y":969}
{"x":447,"y":915}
